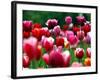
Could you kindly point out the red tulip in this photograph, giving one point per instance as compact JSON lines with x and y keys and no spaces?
{"x":26,"y":34}
{"x":36,"y":25}
{"x":36,"y":32}
{"x":88,"y":52}
{"x":79,"y":53}
{"x":46,"y":58}
{"x":29,"y":47}
{"x":51,"y":23}
{"x":27,"y":25}
{"x":75,"y":29}
{"x":65,"y":27}
{"x":59,"y":41}
{"x":80,"y":35}
{"x":56,"y":59}
{"x":26,"y":61}
{"x":86,"y":28}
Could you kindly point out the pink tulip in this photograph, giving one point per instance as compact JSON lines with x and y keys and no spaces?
{"x":76,"y":64}
{"x":48,"y":43}
{"x":68,"y":19}
{"x":27,"y":25}
{"x":88,"y":52}
{"x":51,"y":23}
{"x":67,"y":58}
{"x":73,"y":40}
{"x":87,"y":39}
{"x":30,"y":46}
{"x":80,"y":35}
{"x":56,"y":30}
{"x":79,"y":53}
{"x":68,"y":34}
{"x":46,"y":58}
{"x":80,"y":19}
{"x":56,"y":59}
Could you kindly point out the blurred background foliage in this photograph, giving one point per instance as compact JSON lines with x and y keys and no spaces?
{"x":42,"y":16}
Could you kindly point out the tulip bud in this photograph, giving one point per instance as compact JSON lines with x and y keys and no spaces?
{"x":68,"y":19}
{"x":25,"y":61}
{"x":79,"y":53}
{"x":80,"y":35}
{"x":46,"y":58}
{"x":27,"y":25}
{"x":88,"y":52}
{"x":51,"y":23}
{"x":56,"y":30}
{"x":87,"y":62}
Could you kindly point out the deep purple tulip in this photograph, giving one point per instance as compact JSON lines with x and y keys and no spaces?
{"x":51,"y":23}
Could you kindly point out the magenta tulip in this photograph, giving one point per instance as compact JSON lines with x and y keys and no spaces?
{"x":80,"y":35}
{"x":68,"y":34}
{"x":27,"y":25}
{"x":46,"y":58}
{"x":88,"y":52}
{"x":80,"y":19}
{"x":68,"y":19}
{"x":56,"y":30}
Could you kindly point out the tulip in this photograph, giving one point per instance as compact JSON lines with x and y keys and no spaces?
{"x":87,"y":62}
{"x":68,"y":19}
{"x":86,"y":28}
{"x":73,"y":40}
{"x":59,"y":41}
{"x":87,"y":39}
{"x":56,"y":59}
{"x":56,"y":30}
{"x":36,"y":25}
{"x":36,"y":32}
{"x":26,"y":61}
{"x":68,"y":34}
{"x":48,"y":43}
{"x":26,"y":34}
{"x":80,"y":35}
{"x":65,"y":27}
{"x":88,"y":52}
{"x":76,"y":64}
{"x":67,"y":58}
{"x":80,"y":19}
{"x":79,"y":53}
{"x":27,"y":25}
{"x":29,"y":47}
{"x":75,"y":29}
{"x":51,"y":23}
{"x":46,"y":58}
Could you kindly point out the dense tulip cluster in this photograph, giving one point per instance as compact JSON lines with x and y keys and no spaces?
{"x":56,"y":46}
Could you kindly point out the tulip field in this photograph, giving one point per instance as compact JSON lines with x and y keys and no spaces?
{"x":56,"y":39}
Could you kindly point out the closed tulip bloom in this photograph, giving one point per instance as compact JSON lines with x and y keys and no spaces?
{"x":56,"y":59}
{"x":26,"y":34}
{"x":87,"y":39}
{"x":79,"y":53}
{"x":68,"y":34}
{"x":51,"y":23}
{"x":27,"y":25}
{"x":76,"y":64}
{"x":68,"y":19}
{"x":88,"y":52}
{"x":48,"y":43}
{"x":76,"y":29}
{"x":86,"y":28}
{"x":46,"y":58}
{"x":87,"y":62}
{"x":59,"y":41}
{"x":29,"y":47}
{"x":80,"y":19}
{"x":73,"y":40}
{"x":56,"y":30}
{"x":36,"y":25}
{"x":26,"y":61}
{"x":80,"y":35}
{"x":67,"y":58}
